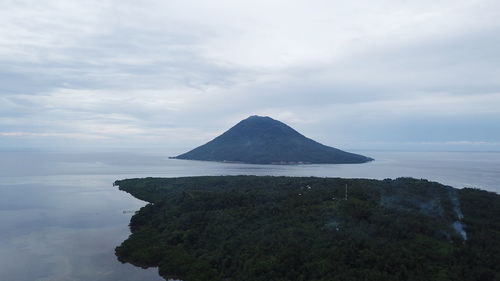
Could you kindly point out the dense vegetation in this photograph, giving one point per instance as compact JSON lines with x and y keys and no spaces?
{"x":263,"y":140}
{"x":284,"y":228}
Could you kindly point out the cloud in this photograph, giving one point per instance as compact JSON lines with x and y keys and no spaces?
{"x":64,"y":135}
{"x":177,"y":72}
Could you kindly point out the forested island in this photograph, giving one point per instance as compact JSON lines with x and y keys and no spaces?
{"x":263,"y":140}
{"x":305,"y":228}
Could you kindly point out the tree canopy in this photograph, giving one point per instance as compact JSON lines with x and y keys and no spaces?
{"x":286,"y":228}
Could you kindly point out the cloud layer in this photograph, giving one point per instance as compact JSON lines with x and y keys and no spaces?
{"x":173,"y":74}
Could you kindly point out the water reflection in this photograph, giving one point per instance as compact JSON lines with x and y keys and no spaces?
{"x":65,"y":232}
{"x":61,"y":218}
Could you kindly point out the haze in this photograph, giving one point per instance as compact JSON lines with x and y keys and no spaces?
{"x":171,"y":75}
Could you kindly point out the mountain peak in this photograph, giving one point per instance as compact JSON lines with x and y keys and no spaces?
{"x":258,"y":117}
{"x":263,"y":140}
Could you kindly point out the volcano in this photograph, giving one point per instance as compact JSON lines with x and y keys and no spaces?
{"x":263,"y":140}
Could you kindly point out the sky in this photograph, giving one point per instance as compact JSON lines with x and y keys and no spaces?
{"x":170,"y":75}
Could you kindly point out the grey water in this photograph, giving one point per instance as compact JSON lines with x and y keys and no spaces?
{"x":61,"y":218}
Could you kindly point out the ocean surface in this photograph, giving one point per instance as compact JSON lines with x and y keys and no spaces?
{"x":61,"y":218}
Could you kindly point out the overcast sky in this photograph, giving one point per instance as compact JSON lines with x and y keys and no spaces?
{"x":170,"y":75}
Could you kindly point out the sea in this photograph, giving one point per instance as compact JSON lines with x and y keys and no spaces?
{"x":61,"y":217}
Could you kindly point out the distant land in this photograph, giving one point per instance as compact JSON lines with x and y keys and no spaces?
{"x":263,"y":140}
{"x":254,"y":228}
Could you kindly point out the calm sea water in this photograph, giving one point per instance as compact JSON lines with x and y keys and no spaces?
{"x":61,"y":218}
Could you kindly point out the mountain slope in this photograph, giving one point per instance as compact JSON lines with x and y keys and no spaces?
{"x":263,"y":140}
